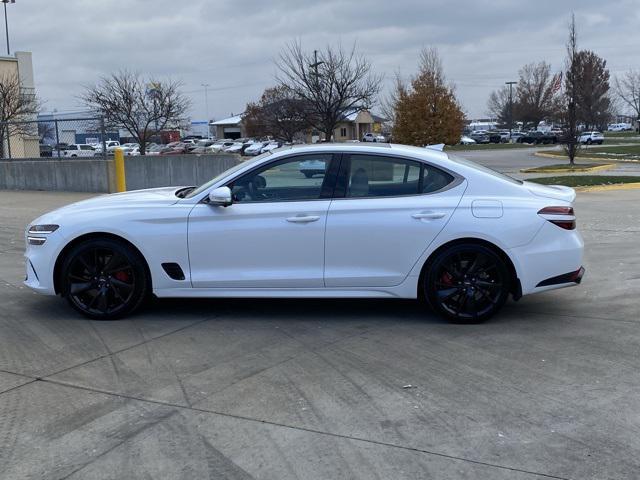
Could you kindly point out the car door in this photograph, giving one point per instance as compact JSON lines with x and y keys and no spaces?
{"x":386,"y":212}
{"x":272,"y":236}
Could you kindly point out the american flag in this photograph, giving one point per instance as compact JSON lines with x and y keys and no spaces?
{"x":556,"y":83}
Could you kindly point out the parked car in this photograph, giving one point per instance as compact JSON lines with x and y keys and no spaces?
{"x":154,"y":150}
{"x":496,"y":137}
{"x":235,"y":147}
{"x":255,"y":148}
{"x":465,"y":140}
{"x":269,"y":147}
{"x":79,"y":150}
{"x":538,"y":138}
{"x":462,"y":235}
{"x":373,"y":137}
{"x":46,"y":150}
{"x":220,"y":145}
{"x":312,"y":167}
{"x":591,"y":137}
{"x":480,"y":136}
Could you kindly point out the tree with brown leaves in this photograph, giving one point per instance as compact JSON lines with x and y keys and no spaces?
{"x":426,"y":110}
{"x":278,"y":114}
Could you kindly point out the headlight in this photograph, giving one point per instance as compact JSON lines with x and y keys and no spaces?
{"x":43,"y":229}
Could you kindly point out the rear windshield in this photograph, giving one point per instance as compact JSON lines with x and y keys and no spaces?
{"x":482,"y":168}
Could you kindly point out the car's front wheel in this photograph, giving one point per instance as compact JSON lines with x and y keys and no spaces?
{"x":104,"y":279}
{"x":467,"y":283}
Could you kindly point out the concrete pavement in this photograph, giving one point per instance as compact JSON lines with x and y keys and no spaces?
{"x":240,"y":389}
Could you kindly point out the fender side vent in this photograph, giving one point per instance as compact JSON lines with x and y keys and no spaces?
{"x":173,"y":270}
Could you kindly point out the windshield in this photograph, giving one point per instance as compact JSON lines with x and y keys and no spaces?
{"x":490,"y":171}
{"x":216,"y":179}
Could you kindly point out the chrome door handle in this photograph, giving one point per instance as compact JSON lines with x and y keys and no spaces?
{"x":303,"y":219}
{"x":429,"y":215}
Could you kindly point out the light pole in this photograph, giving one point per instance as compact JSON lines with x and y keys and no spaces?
{"x":511,"y":84}
{"x":6,"y":23}
{"x":206,"y":106}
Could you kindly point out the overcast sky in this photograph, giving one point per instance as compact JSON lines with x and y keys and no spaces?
{"x":231,"y":45}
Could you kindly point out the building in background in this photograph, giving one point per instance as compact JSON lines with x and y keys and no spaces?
{"x":356,"y":125}
{"x":232,"y":127}
{"x":24,"y":144}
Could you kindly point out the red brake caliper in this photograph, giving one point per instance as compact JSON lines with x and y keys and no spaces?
{"x":446,"y":279}
{"x":122,"y":276}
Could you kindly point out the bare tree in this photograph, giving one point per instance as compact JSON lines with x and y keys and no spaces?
{"x":569,"y":139}
{"x":143,"y":106}
{"x":17,"y":106}
{"x":278,"y":113}
{"x":499,"y":105}
{"x":332,"y":83}
{"x":628,"y":90}
{"x":536,"y":93}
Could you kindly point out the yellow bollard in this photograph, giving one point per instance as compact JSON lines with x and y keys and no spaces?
{"x":121,"y":182}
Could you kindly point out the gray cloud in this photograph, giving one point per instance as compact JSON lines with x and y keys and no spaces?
{"x":231,"y":44}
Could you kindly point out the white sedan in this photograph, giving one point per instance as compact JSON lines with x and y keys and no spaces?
{"x":386,"y":221}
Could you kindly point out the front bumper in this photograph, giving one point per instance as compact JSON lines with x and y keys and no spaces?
{"x":39,"y":264}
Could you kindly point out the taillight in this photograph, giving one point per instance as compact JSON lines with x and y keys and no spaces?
{"x":563,"y":217}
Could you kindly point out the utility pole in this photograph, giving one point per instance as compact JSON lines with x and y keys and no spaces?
{"x":316,"y":64}
{"x":6,"y":23}
{"x":511,"y":84}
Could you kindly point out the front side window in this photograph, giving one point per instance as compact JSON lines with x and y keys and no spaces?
{"x":379,"y":176}
{"x":295,"y":178}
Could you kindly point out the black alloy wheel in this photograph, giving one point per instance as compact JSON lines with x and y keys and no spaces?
{"x":104,"y":279}
{"x":467,"y":283}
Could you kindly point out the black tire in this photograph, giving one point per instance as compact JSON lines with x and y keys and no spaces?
{"x":308,"y":174}
{"x":104,"y":279}
{"x":589,"y":141}
{"x":467,"y":283}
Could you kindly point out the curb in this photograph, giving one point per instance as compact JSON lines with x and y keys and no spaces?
{"x":604,"y":188}
{"x":596,"y":159}
{"x":569,"y":170}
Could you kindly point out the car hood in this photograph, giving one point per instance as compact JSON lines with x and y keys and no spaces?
{"x":557,"y":192}
{"x":163,"y":196}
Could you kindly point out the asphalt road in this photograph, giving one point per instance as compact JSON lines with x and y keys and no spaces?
{"x":512,"y":161}
{"x":327,"y":389}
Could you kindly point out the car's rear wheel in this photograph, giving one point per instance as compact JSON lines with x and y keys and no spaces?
{"x":589,"y":141}
{"x":467,"y":283}
{"x":104,"y":279}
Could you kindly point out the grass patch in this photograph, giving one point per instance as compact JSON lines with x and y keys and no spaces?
{"x":566,"y":167}
{"x":620,"y":134}
{"x":488,"y":146}
{"x":584,"y":180}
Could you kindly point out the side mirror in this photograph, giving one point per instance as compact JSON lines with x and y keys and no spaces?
{"x":220,"y":197}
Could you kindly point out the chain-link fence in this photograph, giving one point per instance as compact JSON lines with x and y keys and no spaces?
{"x":49,"y":138}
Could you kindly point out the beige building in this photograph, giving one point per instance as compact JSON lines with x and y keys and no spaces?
{"x":20,"y":65}
{"x":356,"y":125}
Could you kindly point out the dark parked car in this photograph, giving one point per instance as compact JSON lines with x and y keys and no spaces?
{"x":480,"y":136}
{"x":538,"y":138}
{"x":46,"y":150}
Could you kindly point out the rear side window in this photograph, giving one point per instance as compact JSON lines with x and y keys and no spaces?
{"x":381,"y":176}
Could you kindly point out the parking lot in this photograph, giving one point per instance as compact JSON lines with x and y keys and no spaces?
{"x":267,"y":389}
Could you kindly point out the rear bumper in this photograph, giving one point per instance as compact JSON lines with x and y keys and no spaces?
{"x":543,"y":263}
{"x":571,"y":277}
